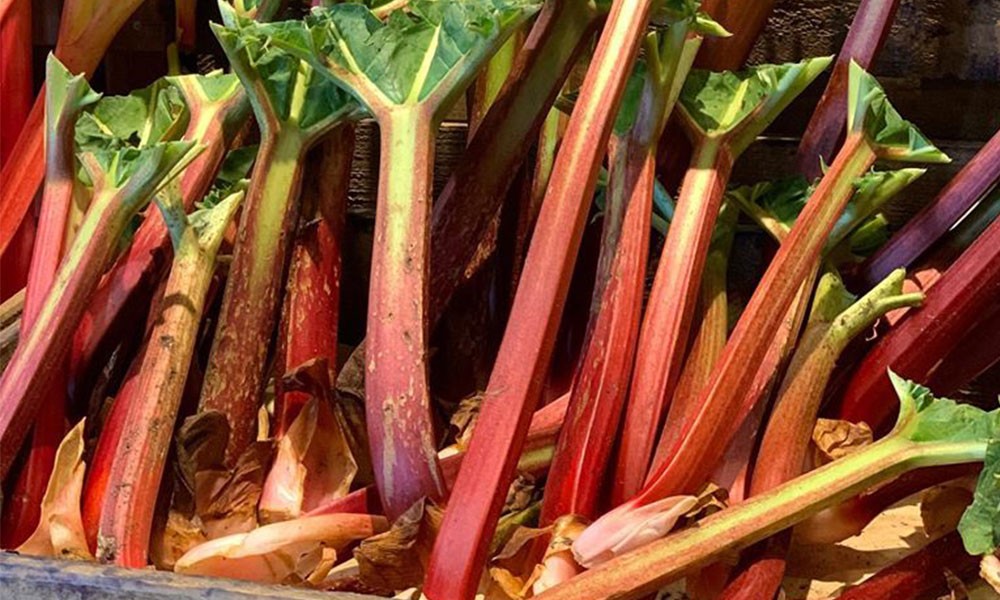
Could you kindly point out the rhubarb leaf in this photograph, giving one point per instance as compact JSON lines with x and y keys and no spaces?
{"x":282,"y":89}
{"x":427,"y":54}
{"x":153,"y":114}
{"x":980,"y":524}
{"x":926,"y":419}
{"x":892,"y":136}
{"x":745,"y":102}
{"x":136,"y":168}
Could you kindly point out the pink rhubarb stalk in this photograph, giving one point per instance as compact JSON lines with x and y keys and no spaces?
{"x":15,"y":71}
{"x":519,"y":372}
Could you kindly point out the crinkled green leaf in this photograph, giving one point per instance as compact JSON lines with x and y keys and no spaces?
{"x":980,"y":524}
{"x":281,"y":86}
{"x":213,"y":87}
{"x":430,"y":51}
{"x":872,"y":191}
{"x":136,"y":168}
{"x":894,"y":138}
{"x":718,"y":103}
{"x":868,"y":237}
{"x":773,"y":205}
{"x":145,"y":117}
{"x":925,"y":418}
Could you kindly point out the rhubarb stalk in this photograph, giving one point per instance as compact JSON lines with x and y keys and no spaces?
{"x":519,"y":372}
{"x":445,"y":43}
{"x":149,"y":419}
{"x":723,"y":114}
{"x":929,"y":431}
{"x":66,"y":98}
{"x":295,"y":106}
{"x":123,"y":182}
{"x":601,"y":379}
{"x":868,"y":31}
{"x":876,"y":130}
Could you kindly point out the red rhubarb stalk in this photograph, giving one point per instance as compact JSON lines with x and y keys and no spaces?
{"x":292,"y":117}
{"x":312,"y":296}
{"x":699,"y":443}
{"x":218,"y":108}
{"x":967,"y":291}
{"x":15,"y":71}
{"x":929,"y":432}
{"x":123,"y":182}
{"x":520,"y":369}
{"x":63,"y":104}
{"x":977,"y":354}
{"x":723,"y":114}
{"x":745,"y":20}
{"x":864,"y":40}
{"x":86,"y":29}
{"x":602,"y":373}
{"x":408,"y":106}
{"x":149,"y":418}
{"x":972,"y":183}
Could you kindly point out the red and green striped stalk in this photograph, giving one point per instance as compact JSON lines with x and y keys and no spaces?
{"x":66,"y":98}
{"x":86,"y":29}
{"x":520,"y":369}
{"x":601,"y":378}
{"x":700,"y":442}
{"x":966,"y":293}
{"x":971,"y":184}
{"x":835,"y":320}
{"x":864,"y":40}
{"x":723,"y":114}
{"x":149,"y":418}
{"x":928,"y":432}
{"x":218,"y":107}
{"x":408,"y":105}
{"x":123,"y":182}
{"x":293,"y":115}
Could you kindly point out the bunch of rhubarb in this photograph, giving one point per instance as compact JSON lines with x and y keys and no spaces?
{"x":235,"y":337}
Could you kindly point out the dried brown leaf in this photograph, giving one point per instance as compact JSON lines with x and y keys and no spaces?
{"x":833,"y":438}
{"x":60,"y":528}
{"x":395,"y":560}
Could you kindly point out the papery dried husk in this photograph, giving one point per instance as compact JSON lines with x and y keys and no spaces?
{"x":395,"y":560}
{"x":989,"y":570}
{"x":941,"y":506}
{"x":834,"y":438}
{"x":60,"y":533}
{"x":558,"y":565}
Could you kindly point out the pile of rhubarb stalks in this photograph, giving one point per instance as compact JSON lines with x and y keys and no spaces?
{"x":569,"y":383}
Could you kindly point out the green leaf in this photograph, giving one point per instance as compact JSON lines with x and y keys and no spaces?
{"x":892,"y":137}
{"x":284,"y":90}
{"x":744,"y":102}
{"x":868,"y":237}
{"x":872,"y":191}
{"x":924,"y":418}
{"x":629,"y":107}
{"x":426,"y":54}
{"x":65,"y":94}
{"x":143,"y":118}
{"x":136,"y":168}
{"x":980,"y":524}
